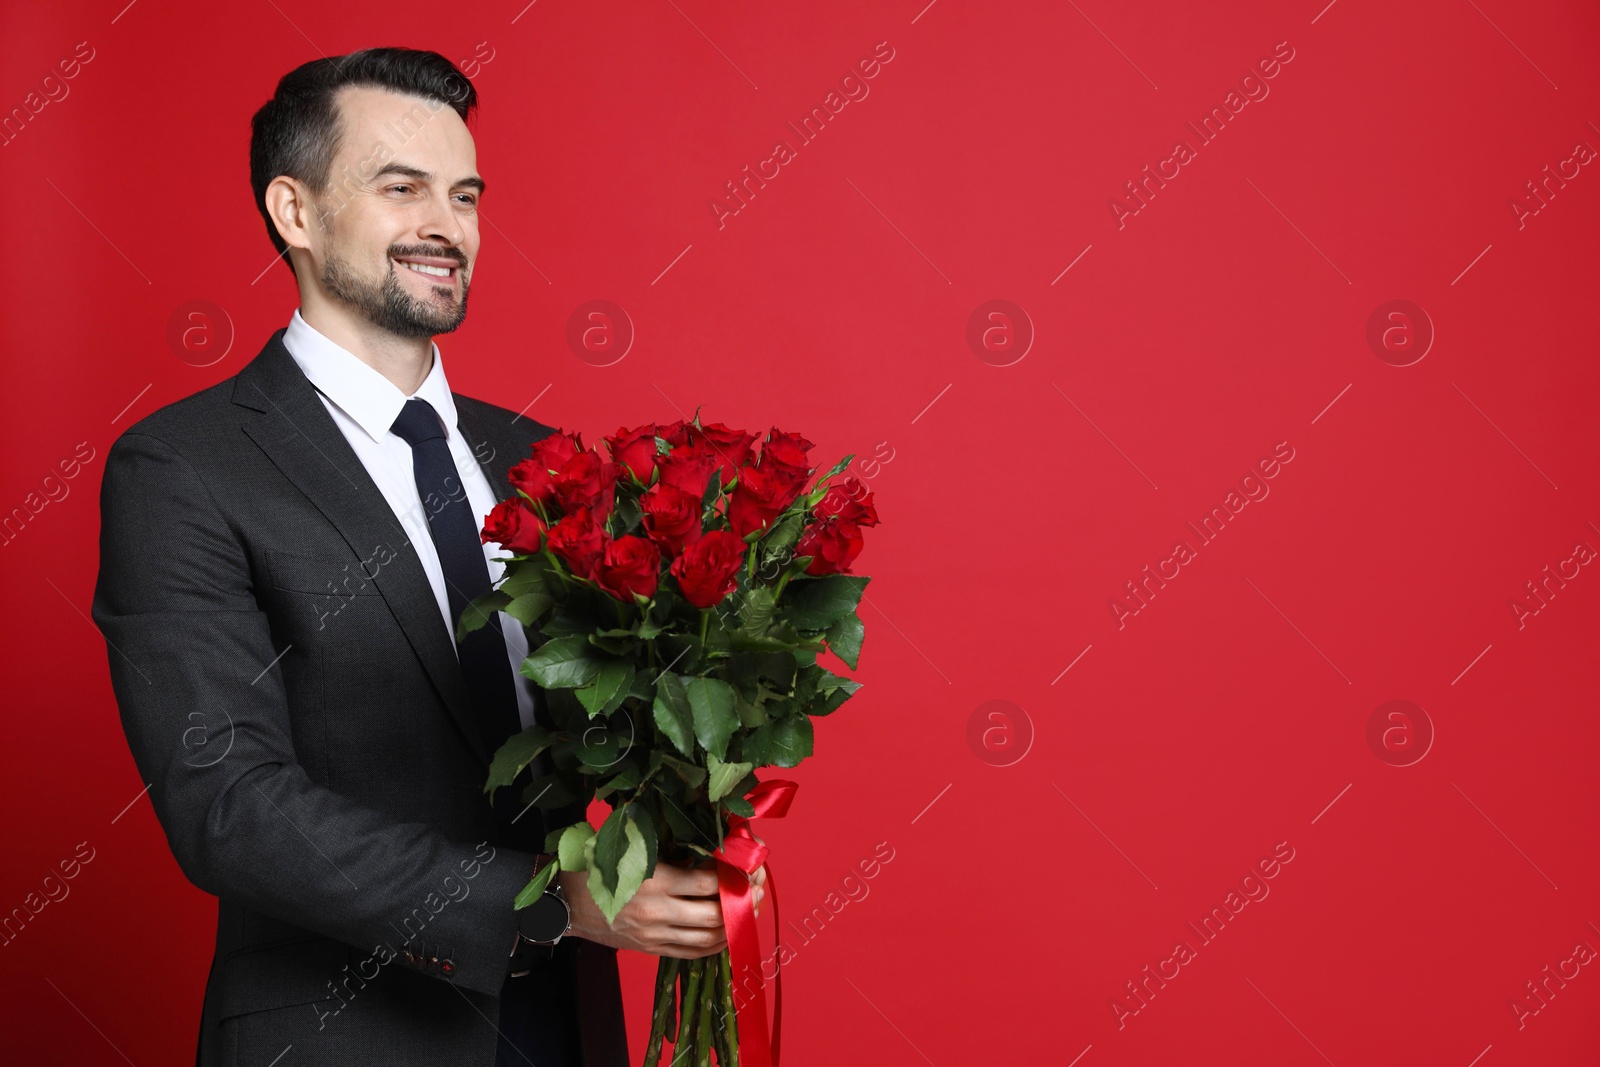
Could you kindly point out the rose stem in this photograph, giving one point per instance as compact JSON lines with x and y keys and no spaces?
{"x":730,"y":1025}
{"x":689,"y":1014}
{"x":704,"y":1031}
{"x":665,"y":1014}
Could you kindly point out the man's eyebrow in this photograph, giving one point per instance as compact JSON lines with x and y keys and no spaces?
{"x":405,"y":170}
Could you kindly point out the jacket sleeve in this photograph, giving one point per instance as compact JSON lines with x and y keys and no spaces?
{"x":193,"y":667}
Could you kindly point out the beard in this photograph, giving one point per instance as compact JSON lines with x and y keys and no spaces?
{"x":387,"y":304}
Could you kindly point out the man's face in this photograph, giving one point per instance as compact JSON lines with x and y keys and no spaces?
{"x":398,"y":229}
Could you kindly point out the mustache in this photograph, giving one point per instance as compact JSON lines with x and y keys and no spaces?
{"x":398,"y":251}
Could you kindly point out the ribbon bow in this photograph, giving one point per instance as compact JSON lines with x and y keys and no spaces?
{"x":740,"y":856}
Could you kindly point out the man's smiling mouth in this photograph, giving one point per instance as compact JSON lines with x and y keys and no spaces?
{"x":433,"y":267}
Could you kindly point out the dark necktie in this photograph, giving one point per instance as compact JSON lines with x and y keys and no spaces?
{"x":451,"y":524}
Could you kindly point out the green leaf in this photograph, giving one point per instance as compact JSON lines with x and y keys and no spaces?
{"x":747,"y":669}
{"x":834,"y":691}
{"x":780,"y":743}
{"x":627,"y":778}
{"x":845,"y":637}
{"x":692,"y":773}
{"x":527,"y":608}
{"x":565,"y":663}
{"x":724,"y":776}
{"x":609,"y":846}
{"x":627,"y":872}
{"x":838,"y":468}
{"x":482,"y":608}
{"x":534,"y":889}
{"x":739,"y":641}
{"x":714,"y":719}
{"x":641,"y":818}
{"x":818,"y":603}
{"x":674,"y":718}
{"x":571,"y":847}
{"x":751,"y":713}
{"x":783,"y":535}
{"x":739,"y":806}
{"x":614,"y":644}
{"x":626,"y":513}
{"x":609,"y":688}
{"x":565,"y":625}
{"x":755,"y":610}
{"x":518,"y":751}
{"x":528,"y":576}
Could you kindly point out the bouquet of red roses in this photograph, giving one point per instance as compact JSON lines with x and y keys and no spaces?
{"x":679,"y":590}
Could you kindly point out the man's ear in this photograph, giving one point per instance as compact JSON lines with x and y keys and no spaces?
{"x":292,"y":211}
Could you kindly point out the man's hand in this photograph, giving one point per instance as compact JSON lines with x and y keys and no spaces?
{"x":676,"y":912}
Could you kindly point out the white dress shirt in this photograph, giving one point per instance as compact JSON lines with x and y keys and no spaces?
{"x":364,"y":405}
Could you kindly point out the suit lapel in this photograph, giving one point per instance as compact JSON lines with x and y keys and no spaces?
{"x":302,"y":440}
{"x":497,"y":447}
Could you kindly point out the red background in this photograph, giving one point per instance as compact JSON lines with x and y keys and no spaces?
{"x":1228,"y":715}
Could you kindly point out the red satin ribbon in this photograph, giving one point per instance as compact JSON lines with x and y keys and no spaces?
{"x":740,"y":856}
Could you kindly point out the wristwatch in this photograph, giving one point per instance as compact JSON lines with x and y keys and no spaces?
{"x":548,"y":919}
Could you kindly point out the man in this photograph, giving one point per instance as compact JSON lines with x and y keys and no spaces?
{"x":282,"y":558}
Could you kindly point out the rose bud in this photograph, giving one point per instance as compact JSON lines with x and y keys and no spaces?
{"x":731,"y":447}
{"x":629,"y":567}
{"x":635,"y":449}
{"x":759,"y":498}
{"x":832,"y":544}
{"x":708,"y":569}
{"x":514,"y":527}
{"x":784,"y":455}
{"x":689,"y":468}
{"x":587,"y":481}
{"x":577,"y":541}
{"x":671,"y":516}
{"x":533,"y":476}
{"x":848,"y":499}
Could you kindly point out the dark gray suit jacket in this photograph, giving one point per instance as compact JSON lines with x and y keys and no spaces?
{"x":291,"y":694}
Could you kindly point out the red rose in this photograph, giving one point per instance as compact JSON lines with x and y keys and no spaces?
{"x":674,"y":433}
{"x":629,"y":567}
{"x":784,"y":454}
{"x":635,"y":449}
{"x":578,"y":541}
{"x":759,"y":498}
{"x":514,"y":527}
{"x":832,"y":544}
{"x":671,"y":516}
{"x":708,"y":569}
{"x":850,"y":500}
{"x":731,"y":447}
{"x":587,"y":481}
{"x":533,"y":475}
{"x":555,"y":449}
{"x":689,"y":468}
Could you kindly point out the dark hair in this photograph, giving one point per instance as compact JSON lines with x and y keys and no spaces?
{"x":297,"y":132}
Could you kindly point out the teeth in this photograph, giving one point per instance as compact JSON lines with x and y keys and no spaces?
{"x":438,"y":272}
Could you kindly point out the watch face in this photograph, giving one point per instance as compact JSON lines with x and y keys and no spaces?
{"x":545,"y":919}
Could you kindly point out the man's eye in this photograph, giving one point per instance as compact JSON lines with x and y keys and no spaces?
{"x":468,"y":199}
{"x":392,"y":188}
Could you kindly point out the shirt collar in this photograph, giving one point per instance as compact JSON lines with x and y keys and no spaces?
{"x":372,"y":400}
